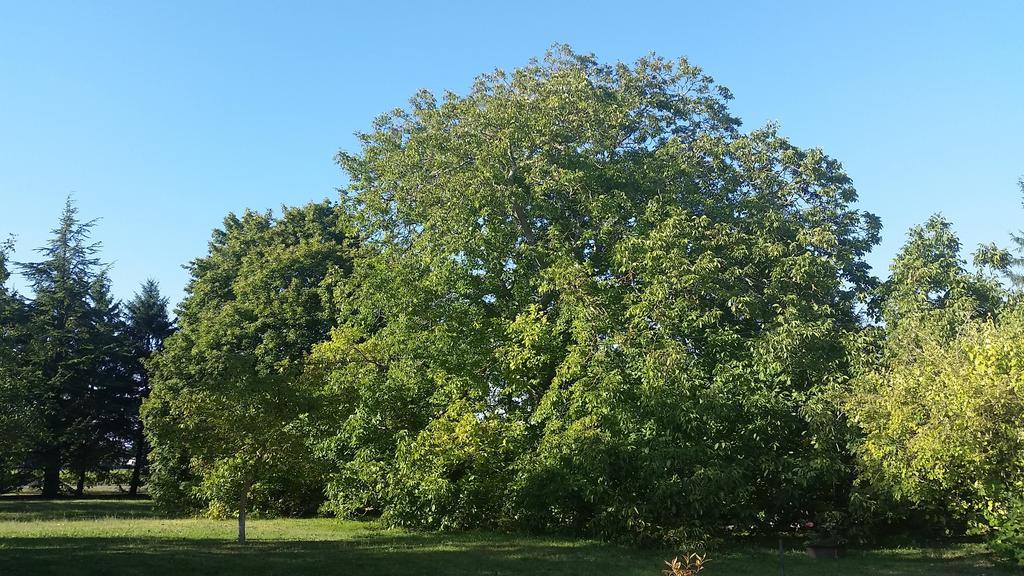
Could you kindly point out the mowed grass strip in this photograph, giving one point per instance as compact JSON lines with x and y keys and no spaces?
{"x":113,"y":537}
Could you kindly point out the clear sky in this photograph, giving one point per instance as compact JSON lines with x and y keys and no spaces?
{"x":161,"y":117}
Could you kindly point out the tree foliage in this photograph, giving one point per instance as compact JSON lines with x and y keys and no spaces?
{"x":147,"y":325}
{"x":19,"y":422}
{"x":941,"y":410}
{"x":1013,"y":263}
{"x":229,"y":412}
{"x":587,"y":300}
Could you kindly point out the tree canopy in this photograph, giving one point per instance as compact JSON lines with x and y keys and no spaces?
{"x":587,"y":300}
{"x":940,"y":407}
{"x":229,"y":412}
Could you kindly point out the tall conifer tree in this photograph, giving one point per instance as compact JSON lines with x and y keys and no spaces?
{"x":65,"y":325}
{"x":17,"y":418}
{"x":148,"y":325}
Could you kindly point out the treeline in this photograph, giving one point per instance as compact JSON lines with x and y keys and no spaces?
{"x":71,"y":368}
{"x":580,"y":298}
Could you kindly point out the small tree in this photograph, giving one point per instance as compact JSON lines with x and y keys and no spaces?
{"x":227,"y":395}
{"x":940,"y":409}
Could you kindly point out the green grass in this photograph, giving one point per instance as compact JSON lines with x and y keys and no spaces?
{"x":94,"y":537}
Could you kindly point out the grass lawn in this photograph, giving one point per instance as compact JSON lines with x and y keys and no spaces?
{"x":93,"y":537}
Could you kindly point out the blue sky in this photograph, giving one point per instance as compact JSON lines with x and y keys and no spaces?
{"x":161,"y":117}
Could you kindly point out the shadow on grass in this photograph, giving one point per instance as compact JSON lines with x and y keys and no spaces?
{"x":403,"y":555}
{"x":25,"y":508}
{"x":428,"y":554}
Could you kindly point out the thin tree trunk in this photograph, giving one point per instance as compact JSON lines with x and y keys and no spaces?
{"x":51,"y":473}
{"x":80,"y":488}
{"x":140,"y":462}
{"x":242,"y":505}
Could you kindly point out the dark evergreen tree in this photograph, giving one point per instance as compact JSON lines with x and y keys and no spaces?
{"x":105,"y":432}
{"x":67,"y":359}
{"x":17,"y":418}
{"x":148,"y":324}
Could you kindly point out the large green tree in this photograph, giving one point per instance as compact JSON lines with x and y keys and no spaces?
{"x":587,"y":299}
{"x":229,"y":413}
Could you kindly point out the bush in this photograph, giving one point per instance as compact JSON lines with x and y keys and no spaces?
{"x":172,"y":484}
{"x":456,"y":473}
{"x":1008,"y":532}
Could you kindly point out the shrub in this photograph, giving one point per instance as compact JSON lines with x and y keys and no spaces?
{"x":1008,"y":531}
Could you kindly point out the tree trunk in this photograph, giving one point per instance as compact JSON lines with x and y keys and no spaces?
{"x":51,"y":473}
{"x":140,"y":462}
{"x":80,"y":488}
{"x":242,"y":505}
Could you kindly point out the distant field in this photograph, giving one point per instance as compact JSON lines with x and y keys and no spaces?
{"x":108,"y":537}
